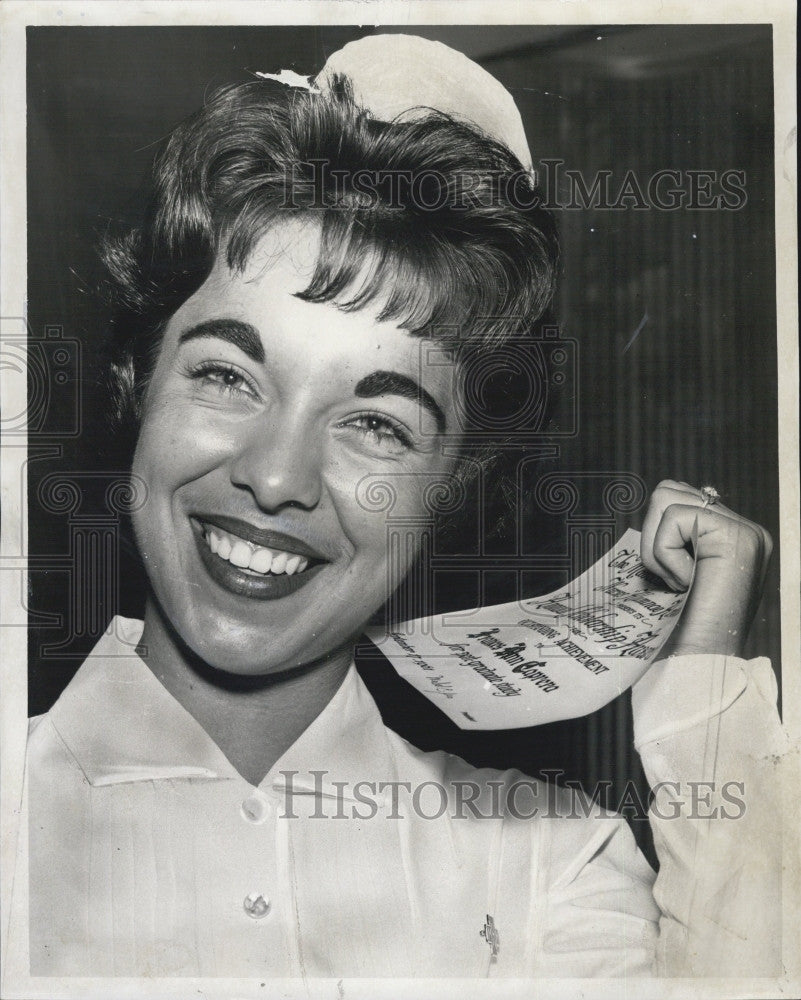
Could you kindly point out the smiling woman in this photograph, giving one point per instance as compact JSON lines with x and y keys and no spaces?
{"x":235,"y":432}
{"x":287,"y":335}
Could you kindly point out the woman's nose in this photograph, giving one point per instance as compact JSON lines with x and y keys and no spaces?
{"x":281,"y":465}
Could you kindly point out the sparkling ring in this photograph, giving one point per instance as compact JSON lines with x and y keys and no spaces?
{"x":710,"y":496}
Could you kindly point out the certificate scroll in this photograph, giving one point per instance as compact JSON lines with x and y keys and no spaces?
{"x":534,"y":661}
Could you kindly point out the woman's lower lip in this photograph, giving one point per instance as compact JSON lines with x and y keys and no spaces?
{"x":237,"y":581}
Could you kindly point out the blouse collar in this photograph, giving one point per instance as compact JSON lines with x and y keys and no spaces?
{"x":122,"y":725}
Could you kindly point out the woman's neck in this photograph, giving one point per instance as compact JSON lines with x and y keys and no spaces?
{"x":252,"y":720}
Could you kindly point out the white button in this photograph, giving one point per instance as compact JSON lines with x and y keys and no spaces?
{"x":256,"y":905}
{"x":256,"y":807}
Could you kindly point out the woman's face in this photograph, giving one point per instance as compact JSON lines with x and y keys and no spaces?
{"x":265,"y":423}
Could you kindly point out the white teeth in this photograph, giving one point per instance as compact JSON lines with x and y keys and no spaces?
{"x":256,"y":558}
{"x":279,"y":562}
{"x":260,"y":560}
{"x":240,"y":554}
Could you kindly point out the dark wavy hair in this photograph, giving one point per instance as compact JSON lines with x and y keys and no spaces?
{"x":457,"y":246}
{"x":453,"y":257}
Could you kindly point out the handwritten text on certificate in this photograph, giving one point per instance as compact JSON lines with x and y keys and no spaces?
{"x":534,"y":661}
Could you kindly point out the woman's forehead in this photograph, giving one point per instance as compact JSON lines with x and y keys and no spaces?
{"x":296,"y":335}
{"x":267,"y":294}
{"x":278,"y":269}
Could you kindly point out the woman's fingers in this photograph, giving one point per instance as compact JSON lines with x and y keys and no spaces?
{"x":731,"y":555}
{"x":676,"y":570}
{"x":669,"y":548}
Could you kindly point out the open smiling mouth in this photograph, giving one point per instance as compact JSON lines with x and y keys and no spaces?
{"x":242,"y":566}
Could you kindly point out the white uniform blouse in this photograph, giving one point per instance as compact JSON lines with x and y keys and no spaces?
{"x":149,"y":855}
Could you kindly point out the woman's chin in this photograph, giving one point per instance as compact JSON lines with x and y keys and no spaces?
{"x":224,"y":649}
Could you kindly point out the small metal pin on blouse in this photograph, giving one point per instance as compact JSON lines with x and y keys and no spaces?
{"x":491,"y":936}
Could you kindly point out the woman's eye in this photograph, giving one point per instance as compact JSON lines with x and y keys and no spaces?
{"x":381,"y":431}
{"x":224,"y":378}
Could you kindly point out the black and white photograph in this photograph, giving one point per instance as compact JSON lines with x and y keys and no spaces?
{"x":400,"y":551}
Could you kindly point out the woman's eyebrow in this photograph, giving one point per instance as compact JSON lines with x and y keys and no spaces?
{"x":393,"y":383}
{"x":241,"y":335}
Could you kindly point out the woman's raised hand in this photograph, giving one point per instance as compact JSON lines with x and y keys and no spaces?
{"x":732,"y":559}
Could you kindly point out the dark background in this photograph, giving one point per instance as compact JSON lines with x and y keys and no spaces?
{"x":691,"y":397}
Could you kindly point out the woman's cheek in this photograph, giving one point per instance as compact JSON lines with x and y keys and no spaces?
{"x":193,"y":439}
{"x":384,"y":517}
